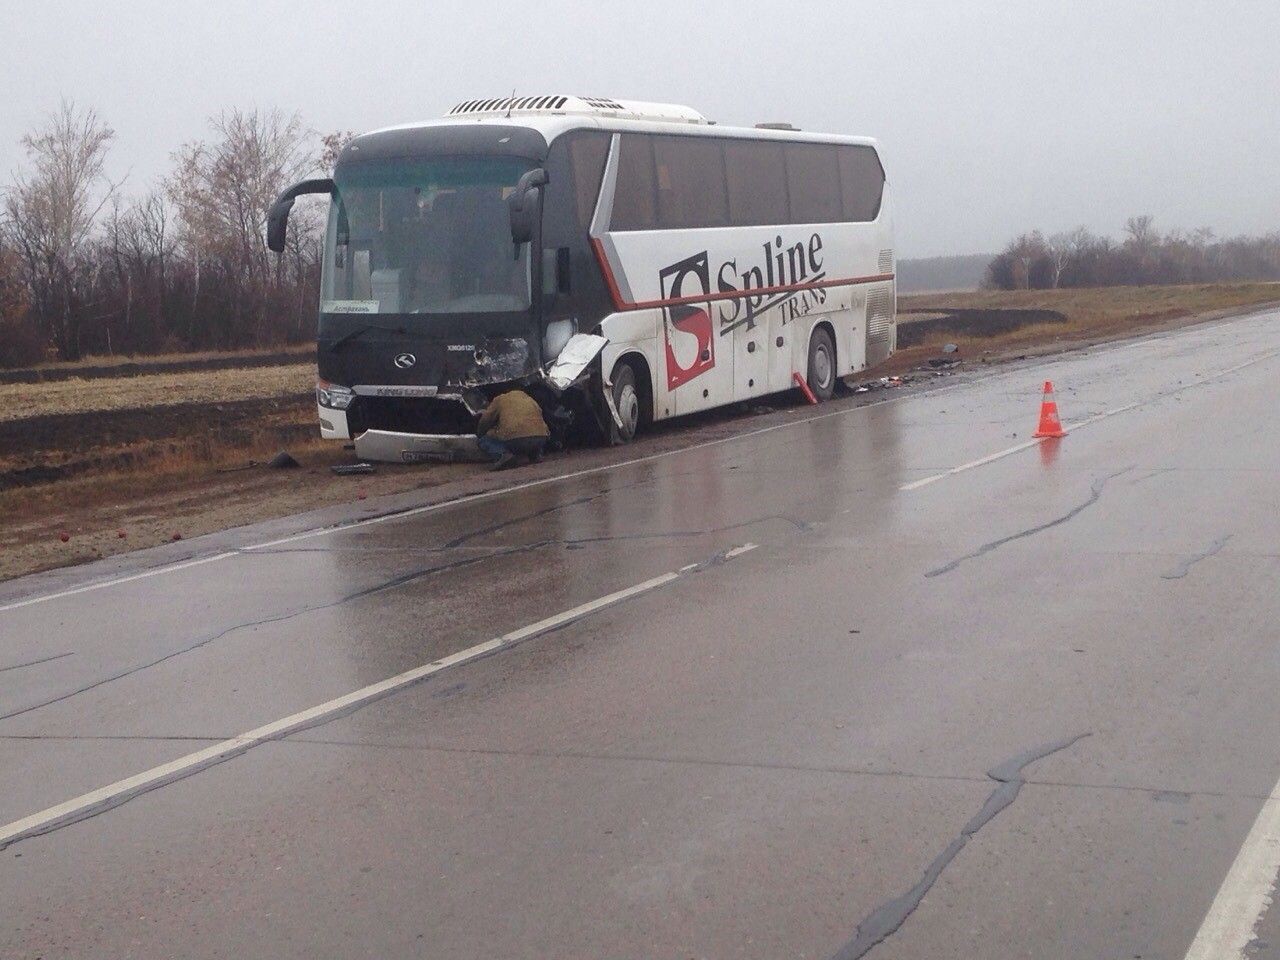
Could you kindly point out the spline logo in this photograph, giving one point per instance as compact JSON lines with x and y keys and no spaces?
{"x":687,"y":326}
{"x":788,"y":277}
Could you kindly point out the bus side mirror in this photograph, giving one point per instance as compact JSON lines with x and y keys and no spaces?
{"x":278,"y":224}
{"x":522,"y":205}
{"x":278,"y":215}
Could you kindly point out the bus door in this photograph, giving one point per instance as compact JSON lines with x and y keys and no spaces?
{"x":698,"y":363}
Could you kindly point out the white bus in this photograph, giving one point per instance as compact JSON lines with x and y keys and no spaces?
{"x":623,"y":262}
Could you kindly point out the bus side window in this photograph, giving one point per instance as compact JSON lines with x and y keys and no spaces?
{"x":861,"y":183}
{"x":691,"y":188}
{"x":575,"y":163}
{"x":587,"y":154}
{"x":556,"y":271}
{"x":756,"y":177}
{"x":635,"y":203}
{"x":813,"y":183}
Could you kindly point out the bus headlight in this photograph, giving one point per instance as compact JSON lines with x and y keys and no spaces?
{"x":333,"y":396}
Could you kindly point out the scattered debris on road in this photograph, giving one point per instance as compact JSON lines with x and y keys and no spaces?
{"x":352,"y":469}
{"x":884,"y":383}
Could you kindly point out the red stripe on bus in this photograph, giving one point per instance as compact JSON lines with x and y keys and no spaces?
{"x":622,"y":304}
{"x":614,"y":292}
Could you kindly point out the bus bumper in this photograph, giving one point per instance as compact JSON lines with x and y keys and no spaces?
{"x":333,"y":423}
{"x":391,"y":447}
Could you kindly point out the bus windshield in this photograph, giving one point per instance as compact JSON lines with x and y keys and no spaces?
{"x":424,"y":236}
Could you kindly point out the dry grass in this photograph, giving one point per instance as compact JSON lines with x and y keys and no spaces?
{"x":1108,"y":305}
{"x":1093,"y":315}
{"x":121,"y":359}
{"x":174,"y":468}
{"x":183,"y":497}
{"x":77,"y":395}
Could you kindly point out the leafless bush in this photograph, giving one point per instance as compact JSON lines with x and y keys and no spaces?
{"x":222,"y":190}
{"x":50,"y":213}
{"x":20,"y":341}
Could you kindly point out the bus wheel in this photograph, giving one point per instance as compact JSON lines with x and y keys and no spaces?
{"x":822,"y":364}
{"x":626,"y":397}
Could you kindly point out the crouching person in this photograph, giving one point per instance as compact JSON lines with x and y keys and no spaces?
{"x":510,"y":427}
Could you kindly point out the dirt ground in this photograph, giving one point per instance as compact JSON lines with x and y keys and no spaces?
{"x":992,"y":325}
{"x":116,"y":463}
{"x":21,"y":401}
{"x":110,"y":514}
{"x":95,"y":367}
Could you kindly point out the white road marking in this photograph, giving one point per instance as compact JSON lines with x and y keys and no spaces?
{"x":1016,"y":448}
{"x":989,"y":458}
{"x":171,"y":568}
{"x":37,"y":822}
{"x":1232,"y":920}
{"x":1069,"y":427}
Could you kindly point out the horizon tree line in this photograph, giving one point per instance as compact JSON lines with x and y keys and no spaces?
{"x":1144,"y":256}
{"x":86,"y":269}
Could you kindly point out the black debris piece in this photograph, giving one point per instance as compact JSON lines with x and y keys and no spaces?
{"x":283,"y":461}
{"x":352,"y":469}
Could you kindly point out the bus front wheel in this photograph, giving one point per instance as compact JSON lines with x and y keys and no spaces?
{"x":626,"y":399}
{"x":822,"y":364}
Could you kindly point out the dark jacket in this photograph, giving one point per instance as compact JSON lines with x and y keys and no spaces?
{"x":511,"y":416}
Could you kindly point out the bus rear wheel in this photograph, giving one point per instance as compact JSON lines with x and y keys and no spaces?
{"x":822,"y":364}
{"x":626,"y":398}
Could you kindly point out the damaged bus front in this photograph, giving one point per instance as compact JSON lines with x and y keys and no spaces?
{"x":437,"y":292}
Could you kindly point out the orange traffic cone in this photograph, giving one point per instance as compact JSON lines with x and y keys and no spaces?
{"x":1050,"y":425}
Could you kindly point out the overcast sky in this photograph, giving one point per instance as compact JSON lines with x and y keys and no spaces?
{"x":994,"y":117}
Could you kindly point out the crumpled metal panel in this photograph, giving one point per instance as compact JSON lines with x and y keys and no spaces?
{"x":581,"y":349}
{"x":499,"y":360}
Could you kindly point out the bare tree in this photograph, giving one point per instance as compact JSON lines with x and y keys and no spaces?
{"x":1062,"y":249}
{"x":331,"y":145}
{"x":222,"y":190}
{"x":13,"y":299}
{"x":1059,"y":249}
{"x":1025,"y":252}
{"x":1141,"y":232}
{"x":49,"y":216}
{"x":20,"y":341}
{"x":137,"y":245}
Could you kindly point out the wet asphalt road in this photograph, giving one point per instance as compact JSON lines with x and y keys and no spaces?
{"x":1041,"y":687}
